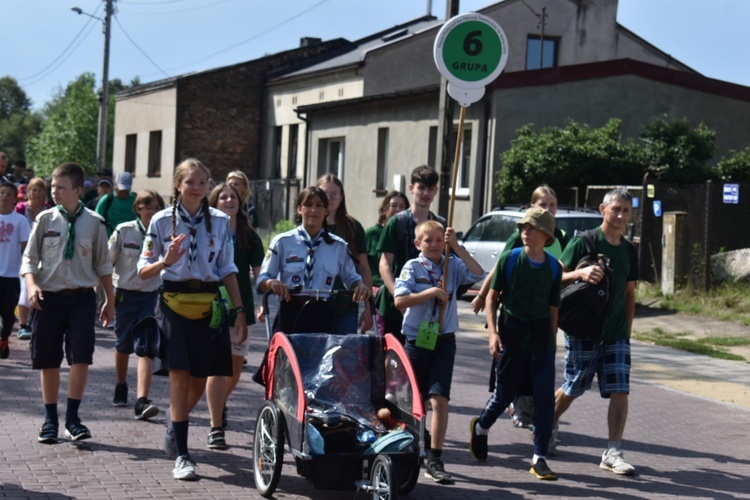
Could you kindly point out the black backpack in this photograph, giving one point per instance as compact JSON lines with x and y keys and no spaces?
{"x":584,"y":306}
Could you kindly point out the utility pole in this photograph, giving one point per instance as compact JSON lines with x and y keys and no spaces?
{"x":101,"y":146}
{"x":542,"y":21}
{"x":445,"y":130}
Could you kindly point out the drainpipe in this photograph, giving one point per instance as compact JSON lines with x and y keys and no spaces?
{"x":485,"y":165}
{"x":308,"y":138}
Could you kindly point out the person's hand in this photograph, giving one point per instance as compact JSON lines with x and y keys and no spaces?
{"x":107,"y":314}
{"x":365,"y":320}
{"x":496,"y":345}
{"x":441,"y":295}
{"x":477,"y":305}
{"x":175,"y":250}
{"x":35,"y":298}
{"x":362,"y":292}
{"x":240,"y":326}
{"x":592,"y":274}
{"x":260,"y":314}
{"x":450,"y":237}
{"x":280,"y":289}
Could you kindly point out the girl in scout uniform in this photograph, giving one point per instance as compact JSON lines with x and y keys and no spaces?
{"x":190,"y":246}
{"x":248,"y":254}
{"x":310,"y":258}
{"x":135,"y":299}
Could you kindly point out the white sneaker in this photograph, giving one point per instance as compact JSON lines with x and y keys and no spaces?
{"x":184,"y":468}
{"x":613,"y":460}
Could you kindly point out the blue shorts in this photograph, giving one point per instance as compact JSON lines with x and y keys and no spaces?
{"x":130,"y":308}
{"x":433,"y":369}
{"x":64,"y":326}
{"x":610,"y":363}
{"x":193,"y":345}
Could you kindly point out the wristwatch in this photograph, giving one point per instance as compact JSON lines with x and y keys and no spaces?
{"x":237,"y":310}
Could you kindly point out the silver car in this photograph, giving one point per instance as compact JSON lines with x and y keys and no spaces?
{"x":485,"y":239}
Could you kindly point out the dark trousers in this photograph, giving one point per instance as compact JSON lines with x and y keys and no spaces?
{"x":10,"y":289}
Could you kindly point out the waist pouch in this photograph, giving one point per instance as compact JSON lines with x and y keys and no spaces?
{"x":190,"y":305}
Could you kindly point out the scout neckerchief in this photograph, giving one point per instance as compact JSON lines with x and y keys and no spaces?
{"x":312,"y":244}
{"x":436,"y":280}
{"x":70,"y":244}
{"x":142,"y":229}
{"x":192,"y":224}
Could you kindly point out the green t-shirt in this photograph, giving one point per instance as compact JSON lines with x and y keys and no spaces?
{"x":624,"y":270}
{"x":373,"y":234}
{"x":121,"y":210}
{"x":533,"y":288}
{"x":399,"y":241}
{"x":245,"y":259}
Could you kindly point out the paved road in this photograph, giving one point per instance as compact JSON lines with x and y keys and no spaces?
{"x":683,"y":445}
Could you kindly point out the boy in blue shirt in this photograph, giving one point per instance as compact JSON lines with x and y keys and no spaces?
{"x":420,"y":294}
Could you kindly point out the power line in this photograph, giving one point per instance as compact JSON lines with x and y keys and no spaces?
{"x":61,"y":54}
{"x":117,"y":20}
{"x":258,"y":35}
{"x":182,"y":11}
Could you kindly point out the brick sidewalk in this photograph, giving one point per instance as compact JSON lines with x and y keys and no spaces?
{"x":682,"y":445}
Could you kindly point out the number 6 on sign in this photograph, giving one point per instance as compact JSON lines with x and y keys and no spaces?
{"x":470,"y":52}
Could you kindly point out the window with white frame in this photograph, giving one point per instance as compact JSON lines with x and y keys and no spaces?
{"x":331,"y":157}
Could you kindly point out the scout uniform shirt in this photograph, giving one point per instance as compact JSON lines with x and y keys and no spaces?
{"x":124,"y":250}
{"x":215,"y":252}
{"x":421,"y":274}
{"x":44,"y":255}
{"x":286,"y":258}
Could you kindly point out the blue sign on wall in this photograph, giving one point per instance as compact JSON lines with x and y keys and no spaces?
{"x":732,"y":193}
{"x":657,"y":208}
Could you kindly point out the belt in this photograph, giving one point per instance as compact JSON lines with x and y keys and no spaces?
{"x":191,"y":286}
{"x":68,"y":292}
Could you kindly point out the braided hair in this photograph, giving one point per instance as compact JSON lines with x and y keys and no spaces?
{"x":180,"y":172}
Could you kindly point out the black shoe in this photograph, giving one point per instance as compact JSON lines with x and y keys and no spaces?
{"x":436,"y":472}
{"x":121,"y":395}
{"x":144,"y":409}
{"x":216,"y":439}
{"x":477,"y":444}
{"x":541,"y":470}
{"x":4,"y":349}
{"x":76,"y":431}
{"x":48,"y":432}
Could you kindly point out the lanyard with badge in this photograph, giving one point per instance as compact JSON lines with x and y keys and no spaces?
{"x":428,"y":331}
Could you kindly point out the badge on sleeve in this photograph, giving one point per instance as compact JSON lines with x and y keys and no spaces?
{"x":427,"y":335}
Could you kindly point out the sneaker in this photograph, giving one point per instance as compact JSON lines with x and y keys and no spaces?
{"x":436,"y":472}
{"x":48,"y":432}
{"x":184,"y":468}
{"x":216,"y":440}
{"x":76,"y":431}
{"x":23,"y":334}
{"x":121,"y":395}
{"x":477,"y":444}
{"x":168,"y":444}
{"x":613,"y":460}
{"x":144,"y":409}
{"x":4,"y":349}
{"x":224,"y":418}
{"x":541,"y":470}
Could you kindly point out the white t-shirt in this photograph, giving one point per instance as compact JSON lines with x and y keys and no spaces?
{"x":14,"y":231}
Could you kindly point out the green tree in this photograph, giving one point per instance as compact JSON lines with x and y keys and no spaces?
{"x":17,"y":121}
{"x":677,"y":153}
{"x":735,"y":167}
{"x":70,"y":128}
{"x":574,"y":156}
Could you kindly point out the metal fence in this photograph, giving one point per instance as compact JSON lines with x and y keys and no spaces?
{"x":714,"y":223}
{"x":274,"y":200}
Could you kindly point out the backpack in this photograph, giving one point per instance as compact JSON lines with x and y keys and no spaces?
{"x":513,"y":258}
{"x":584,"y":306}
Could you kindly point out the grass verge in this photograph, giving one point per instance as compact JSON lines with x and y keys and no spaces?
{"x":709,"y":346}
{"x":726,"y":302}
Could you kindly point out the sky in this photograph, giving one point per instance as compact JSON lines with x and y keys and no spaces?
{"x":45,"y":45}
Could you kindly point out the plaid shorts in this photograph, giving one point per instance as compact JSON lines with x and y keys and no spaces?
{"x":610,"y":363}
